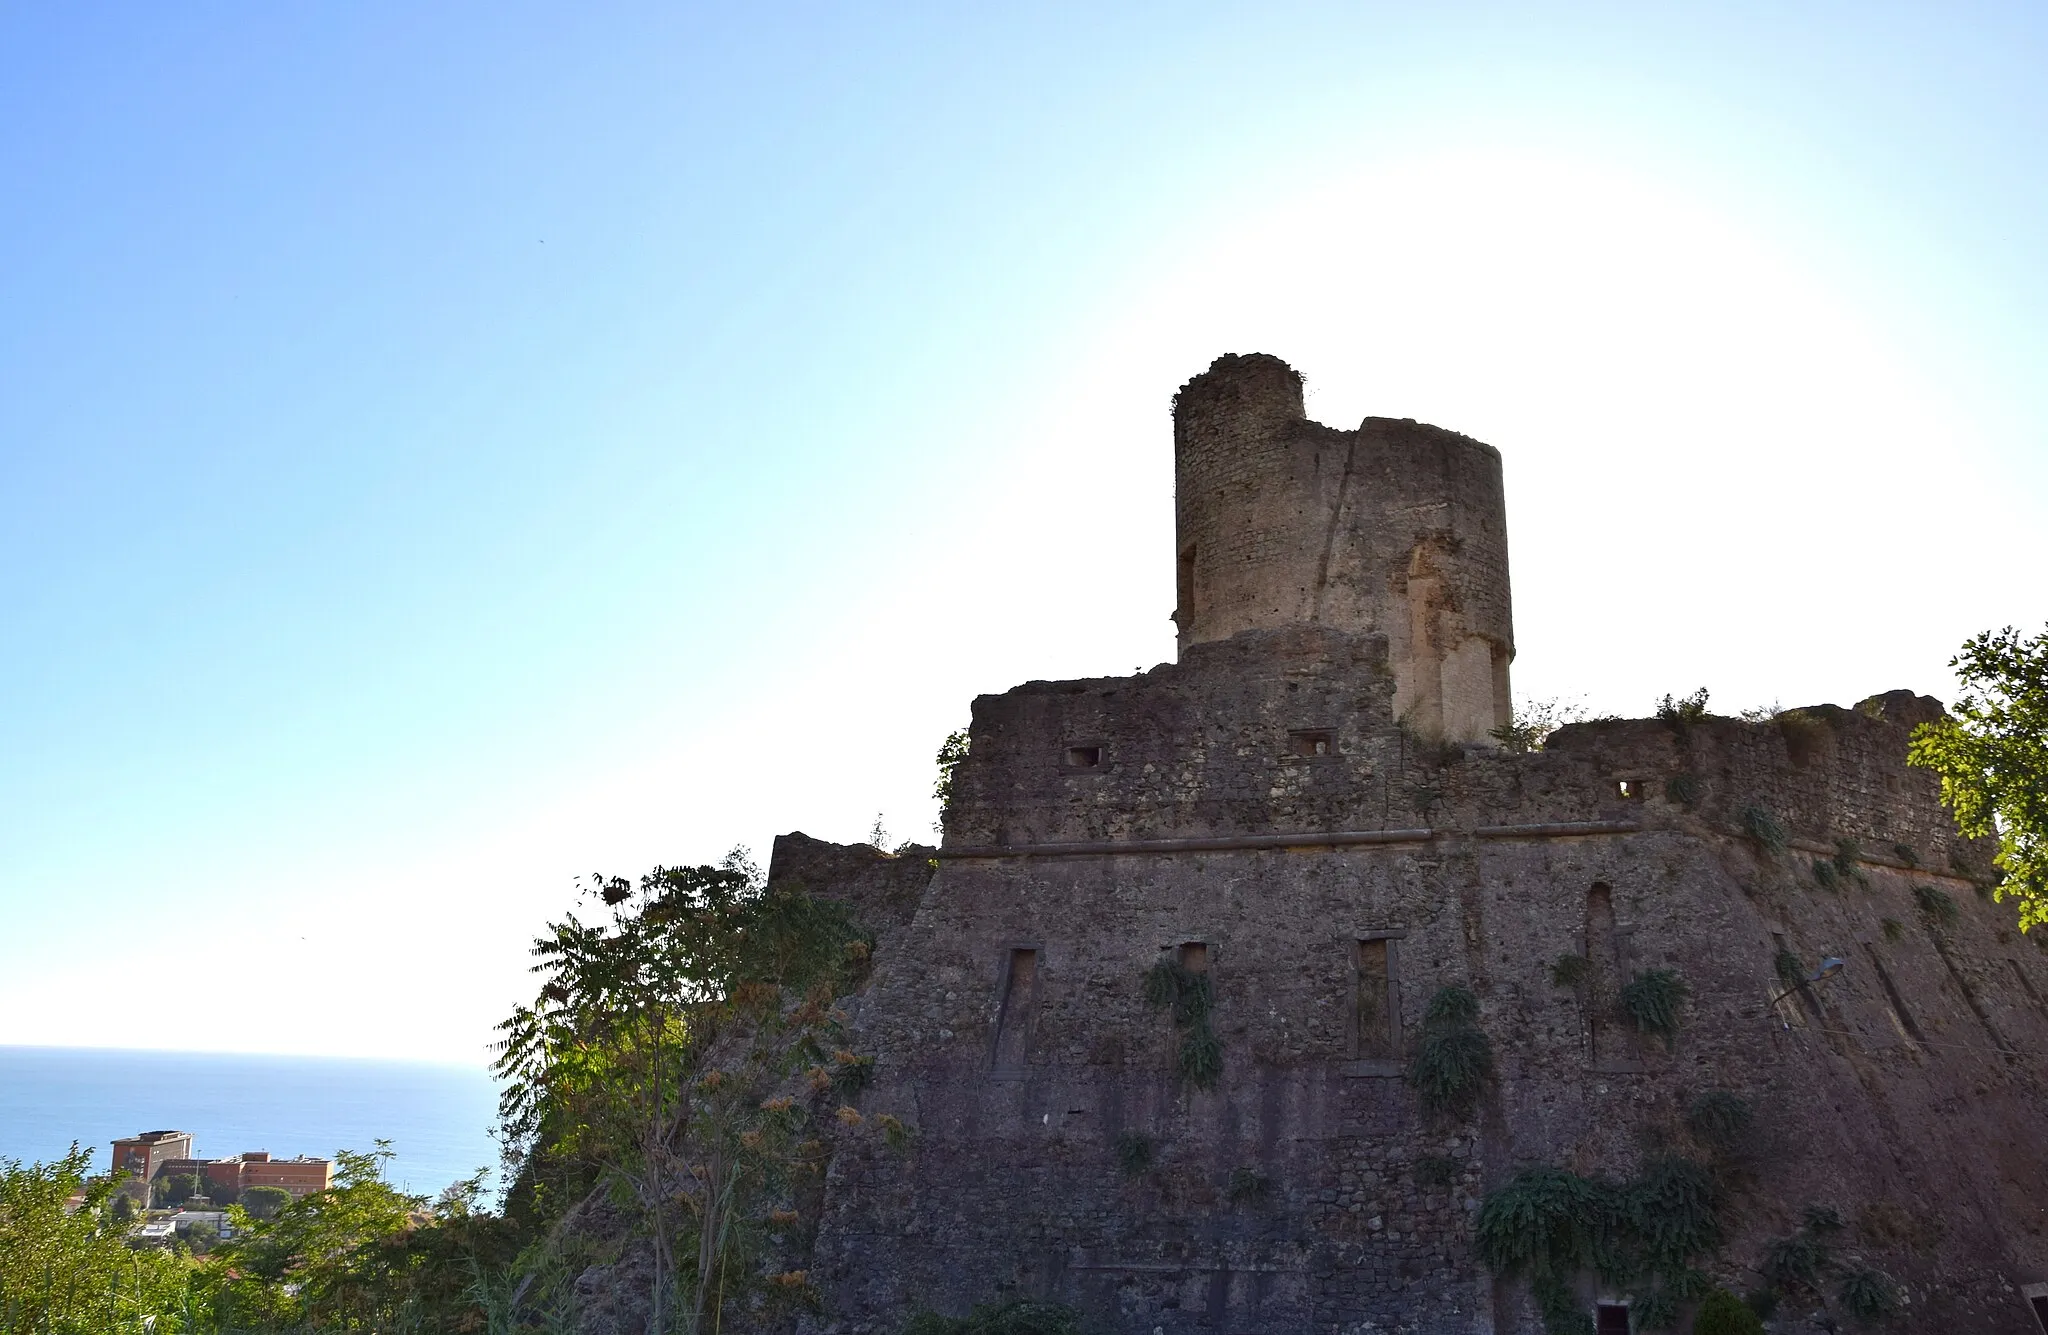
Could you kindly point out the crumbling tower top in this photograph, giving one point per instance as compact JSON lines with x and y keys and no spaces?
{"x":1397,"y":528}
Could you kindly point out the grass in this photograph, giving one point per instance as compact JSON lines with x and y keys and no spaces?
{"x":1652,"y":1000}
{"x":1894,"y":930}
{"x":1764,"y":828}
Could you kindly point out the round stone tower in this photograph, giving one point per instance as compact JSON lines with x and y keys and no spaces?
{"x":1396,"y":528}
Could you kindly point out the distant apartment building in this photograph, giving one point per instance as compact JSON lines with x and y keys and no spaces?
{"x":150,"y":1154}
{"x":226,"y":1179}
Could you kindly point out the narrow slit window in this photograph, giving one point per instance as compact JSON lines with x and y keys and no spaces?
{"x":1376,"y":1008}
{"x":1084,"y":757}
{"x":1013,"y":1020}
{"x":2039,"y":1302}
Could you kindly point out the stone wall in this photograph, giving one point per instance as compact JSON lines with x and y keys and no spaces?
{"x":1307,"y":1190}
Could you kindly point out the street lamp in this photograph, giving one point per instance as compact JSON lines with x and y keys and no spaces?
{"x":1829,"y":967}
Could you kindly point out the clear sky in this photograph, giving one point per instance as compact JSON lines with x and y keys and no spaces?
{"x":445,"y":449}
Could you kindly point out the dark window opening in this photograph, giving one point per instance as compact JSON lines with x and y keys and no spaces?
{"x":1194,"y":956}
{"x":1314,"y":742}
{"x":2039,"y":1302}
{"x":1610,"y":1319}
{"x":1377,"y":1006}
{"x":1630,"y":790}
{"x":1891,"y":783}
{"x":1084,"y":757}
{"x":1013,"y":1020}
{"x":1891,"y":993}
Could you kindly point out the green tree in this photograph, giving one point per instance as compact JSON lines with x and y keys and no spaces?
{"x":265,"y":1203}
{"x":176,"y":1188}
{"x":68,"y":1271}
{"x":652,"y":1060}
{"x":1992,"y":755}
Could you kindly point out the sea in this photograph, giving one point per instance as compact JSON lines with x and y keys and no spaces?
{"x":438,"y":1118}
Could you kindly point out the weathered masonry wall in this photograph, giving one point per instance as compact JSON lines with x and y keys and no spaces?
{"x":1396,"y":528}
{"x":1306,"y":1191}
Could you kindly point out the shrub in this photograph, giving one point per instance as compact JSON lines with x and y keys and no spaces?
{"x":1796,"y":1262}
{"x":1570,"y":970}
{"x":1454,"y":1058}
{"x":1724,"y":1314}
{"x":1849,"y":863}
{"x":1907,"y":854}
{"x":1718,"y":1119}
{"x":1791,"y":970}
{"x":1822,"y":1218}
{"x":1133,"y":1153}
{"x":1651,"y":1001}
{"x":1764,"y":828}
{"x":1671,"y":1212}
{"x":1894,"y":930}
{"x":1937,"y":906}
{"x":1682,"y":712}
{"x":1868,"y":1294}
{"x":1684,"y":789}
{"x":1825,"y":875}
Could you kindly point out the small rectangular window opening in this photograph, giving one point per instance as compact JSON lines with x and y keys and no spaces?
{"x":1376,"y":1019}
{"x":1084,"y":757}
{"x":2039,"y":1302}
{"x":1610,"y":1319}
{"x":1630,"y":789}
{"x":1891,"y":783}
{"x":1194,"y":956}
{"x":1013,"y":1019}
{"x":1314,"y":742}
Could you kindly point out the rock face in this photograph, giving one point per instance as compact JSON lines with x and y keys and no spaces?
{"x":1258,"y":813}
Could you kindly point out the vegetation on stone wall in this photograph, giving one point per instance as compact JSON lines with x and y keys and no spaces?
{"x":1652,"y":1000}
{"x":1680,"y":713}
{"x":1192,"y":997}
{"x":1722,"y":1313}
{"x":1133,"y":1153}
{"x":1548,"y":1225}
{"x":951,"y":752}
{"x":1937,"y":907}
{"x":1532,"y":722}
{"x":1570,"y":970}
{"x":1453,"y":1058}
{"x":1764,"y":828}
{"x":1719,"y":1119}
{"x":1991,"y":754}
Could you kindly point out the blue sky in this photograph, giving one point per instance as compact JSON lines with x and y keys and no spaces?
{"x":448,"y":449}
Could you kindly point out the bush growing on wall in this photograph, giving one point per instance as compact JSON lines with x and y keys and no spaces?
{"x":1454,"y":1058}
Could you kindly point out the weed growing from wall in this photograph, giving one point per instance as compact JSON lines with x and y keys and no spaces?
{"x":1868,"y":1294}
{"x":1791,"y":971}
{"x":1454,"y":1059}
{"x":1134,"y":1150}
{"x":1651,"y":1002}
{"x":1764,"y":828}
{"x":1719,"y":1120}
{"x":1907,"y":854}
{"x":1548,"y":1225}
{"x":951,"y":752}
{"x":1937,"y":907}
{"x":1684,"y":789}
{"x":1894,"y":930}
{"x":1571,"y":970}
{"x":1191,"y":996}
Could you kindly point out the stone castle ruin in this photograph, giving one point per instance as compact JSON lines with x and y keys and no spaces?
{"x":1149,"y":1011}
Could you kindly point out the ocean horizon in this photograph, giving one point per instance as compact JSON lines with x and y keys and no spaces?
{"x":437,"y":1116}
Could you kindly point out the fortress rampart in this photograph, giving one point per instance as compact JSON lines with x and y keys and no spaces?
{"x":1273,"y":812}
